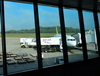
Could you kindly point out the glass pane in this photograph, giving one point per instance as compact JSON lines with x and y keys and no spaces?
{"x":90,"y":34}
{"x":99,"y":20}
{"x":1,"y":56}
{"x":73,"y":35}
{"x":50,"y":27}
{"x":20,"y":36}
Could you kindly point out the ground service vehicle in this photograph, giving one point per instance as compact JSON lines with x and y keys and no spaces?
{"x":27,"y":42}
{"x":49,"y":44}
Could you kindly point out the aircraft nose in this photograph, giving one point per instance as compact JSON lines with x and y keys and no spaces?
{"x":73,"y":44}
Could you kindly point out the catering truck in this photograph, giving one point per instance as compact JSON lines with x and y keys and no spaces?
{"x":48,"y":44}
{"x":27,"y":42}
{"x":51,"y":44}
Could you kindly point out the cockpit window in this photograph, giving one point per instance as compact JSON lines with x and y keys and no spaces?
{"x":71,"y":39}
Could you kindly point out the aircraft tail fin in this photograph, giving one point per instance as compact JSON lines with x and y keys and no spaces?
{"x":57,"y":30}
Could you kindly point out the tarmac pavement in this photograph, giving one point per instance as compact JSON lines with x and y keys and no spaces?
{"x":13,"y":46}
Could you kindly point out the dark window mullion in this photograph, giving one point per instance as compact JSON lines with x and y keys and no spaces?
{"x":3,"y":38}
{"x":97,"y":30}
{"x":37,"y":29}
{"x":63,"y":34}
{"x":82,"y":34}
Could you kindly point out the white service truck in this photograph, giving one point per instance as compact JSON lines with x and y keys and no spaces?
{"x":47,"y":44}
{"x":27,"y":42}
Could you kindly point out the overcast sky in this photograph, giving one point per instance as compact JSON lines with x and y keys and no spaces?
{"x":21,"y":16}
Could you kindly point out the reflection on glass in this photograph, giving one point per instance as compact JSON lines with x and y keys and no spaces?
{"x":20,"y":37}
{"x":1,"y":57}
{"x":99,"y":20}
{"x":90,"y":34}
{"x":73,"y":35}
{"x":1,"y":54}
{"x":50,"y":27}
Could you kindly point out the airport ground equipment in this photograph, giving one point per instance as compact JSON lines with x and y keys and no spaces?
{"x":48,"y":44}
{"x":27,"y":42}
{"x":78,"y":39}
{"x":90,"y":37}
{"x":59,"y":60}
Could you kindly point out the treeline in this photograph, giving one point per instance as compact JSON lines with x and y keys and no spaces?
{"x":45,"y":30}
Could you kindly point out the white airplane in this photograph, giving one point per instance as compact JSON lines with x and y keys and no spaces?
{"x":71,"y":41}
